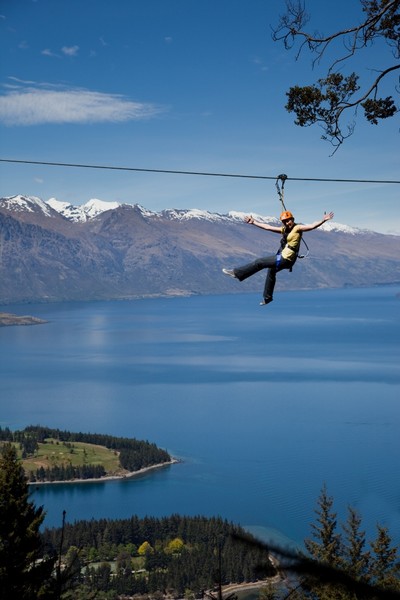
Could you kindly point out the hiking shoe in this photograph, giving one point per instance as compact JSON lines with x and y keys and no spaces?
{"x":229,"y":272}
{"x":265,"y":301}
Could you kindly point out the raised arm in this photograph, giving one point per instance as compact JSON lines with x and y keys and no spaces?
{"x":249,"y":219}
{"x":316,"y":224}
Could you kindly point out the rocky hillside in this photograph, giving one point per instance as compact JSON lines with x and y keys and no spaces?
{"x":53,"y":251}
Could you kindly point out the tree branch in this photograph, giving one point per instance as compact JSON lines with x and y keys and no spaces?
{"x":326,"y":101}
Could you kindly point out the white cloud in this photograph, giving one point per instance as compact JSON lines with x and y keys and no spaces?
{"x":260,"y":63}
{"x":17,"y":82}
{"x":70,"y":50}
{"x":48,"y":52}
{"x":42,"y":105}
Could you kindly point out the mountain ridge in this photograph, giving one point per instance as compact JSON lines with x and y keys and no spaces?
{"x":48,"y":253}
{"x":94,"y":207}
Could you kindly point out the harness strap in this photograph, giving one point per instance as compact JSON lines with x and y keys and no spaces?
{"x":278,"y":263}
{"x":308,"y":250}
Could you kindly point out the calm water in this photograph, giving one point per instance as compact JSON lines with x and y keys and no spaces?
{"x":263,"y":405}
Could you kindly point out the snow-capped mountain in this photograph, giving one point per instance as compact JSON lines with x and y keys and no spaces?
{"x":52,"y":251}
{"x":185,"y":215}
{"x":84,"y":212}
{"x":95,"y":207}
{"x":30,"y":204}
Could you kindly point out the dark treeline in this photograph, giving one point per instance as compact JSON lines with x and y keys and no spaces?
{"x":67,"y":472}
{"x":27,"y":440}
{"x":179,"y":554}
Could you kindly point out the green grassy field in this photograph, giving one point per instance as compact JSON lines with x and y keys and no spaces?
{"x":54,"y":453}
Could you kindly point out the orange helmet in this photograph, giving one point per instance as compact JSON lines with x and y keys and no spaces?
{"x":286,"y":215}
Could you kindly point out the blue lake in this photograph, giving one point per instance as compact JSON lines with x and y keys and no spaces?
{"x":264,"y":405}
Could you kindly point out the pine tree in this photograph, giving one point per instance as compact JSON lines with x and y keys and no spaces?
{"x":385,"y":564}
{"x":326,"y":546}
{"x":355,"y":558}
{"x":22,"y":574}
{"x":378,"y":567}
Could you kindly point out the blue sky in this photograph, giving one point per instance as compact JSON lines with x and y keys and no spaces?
{"x":187,"y":85}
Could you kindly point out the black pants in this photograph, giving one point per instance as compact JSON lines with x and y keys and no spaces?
{"x":266,"y":262}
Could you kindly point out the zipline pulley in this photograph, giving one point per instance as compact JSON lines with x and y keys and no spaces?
{"x":280,"y":188}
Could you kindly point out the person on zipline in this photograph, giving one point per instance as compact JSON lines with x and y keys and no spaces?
{"x":284,"y":258}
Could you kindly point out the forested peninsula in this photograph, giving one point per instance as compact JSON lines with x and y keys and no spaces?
{"x":51,"y":455}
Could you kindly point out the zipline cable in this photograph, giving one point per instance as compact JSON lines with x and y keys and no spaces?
{"x":199,"y":173}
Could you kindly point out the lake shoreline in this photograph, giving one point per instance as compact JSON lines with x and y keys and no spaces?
{"x":9,"y":319}
{"x":123,"y":476}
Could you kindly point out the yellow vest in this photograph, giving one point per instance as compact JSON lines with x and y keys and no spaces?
{"x":292,"y":246}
